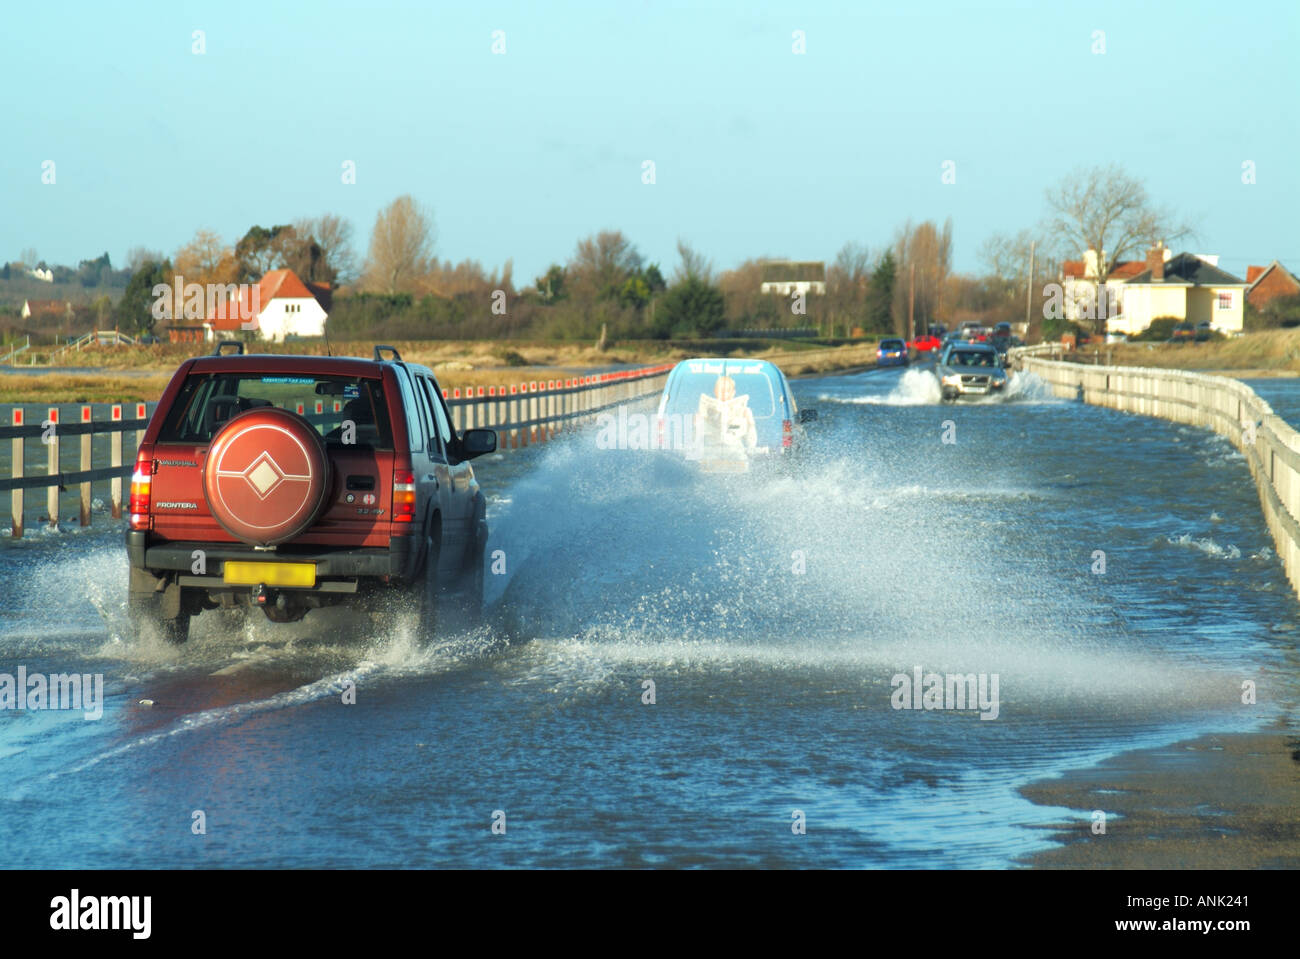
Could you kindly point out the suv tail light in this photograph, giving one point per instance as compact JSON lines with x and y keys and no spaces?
{"x":403,"y":495}
{"x":787,"y":434}
{"x":141,"y":482}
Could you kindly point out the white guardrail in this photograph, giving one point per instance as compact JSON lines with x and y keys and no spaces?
{"x":535,"y":412}
{"x":1226,"y":406}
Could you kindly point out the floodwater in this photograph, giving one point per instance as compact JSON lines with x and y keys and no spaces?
{"x":1111,"y":573}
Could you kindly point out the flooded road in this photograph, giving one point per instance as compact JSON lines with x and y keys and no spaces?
{"x":1111,"y":572}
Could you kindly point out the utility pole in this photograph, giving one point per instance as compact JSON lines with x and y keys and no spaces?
{"x":1029,"y":291}
{"x":911,"y":299}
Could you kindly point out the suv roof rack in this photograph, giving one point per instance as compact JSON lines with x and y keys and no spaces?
{"x":235,"y":343}
{"x":380,"y":347}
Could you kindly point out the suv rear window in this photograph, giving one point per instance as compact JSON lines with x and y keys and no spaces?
{"x":207,"y":400}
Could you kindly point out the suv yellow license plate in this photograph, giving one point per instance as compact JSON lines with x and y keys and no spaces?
{"x":270,"y":574}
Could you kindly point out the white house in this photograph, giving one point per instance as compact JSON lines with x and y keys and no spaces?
{"x":787,"y":276}
{"x":1188,"y":287}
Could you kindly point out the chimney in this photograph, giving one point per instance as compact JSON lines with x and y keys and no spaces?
{"x":1156,"y":262}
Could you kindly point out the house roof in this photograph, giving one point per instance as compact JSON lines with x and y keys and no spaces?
{"x":277,"y":284}
{"x":1077,"y":269}
{"x":1188,"y":270}
{"x":284,"y":283}
{"x":1256,"y":274}
{"x":47,"y":306}
{"x":228,"y":315}
{"x":1128,"y":269}
{"x":790,"y":271}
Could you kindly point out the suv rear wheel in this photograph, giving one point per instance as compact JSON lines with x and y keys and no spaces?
{"x":162,"y":613}
{"x":415,"y":602}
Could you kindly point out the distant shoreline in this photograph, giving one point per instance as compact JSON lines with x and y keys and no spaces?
{"x":142,"y":376}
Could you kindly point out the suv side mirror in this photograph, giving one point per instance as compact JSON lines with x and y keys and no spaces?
{"x":477,"y":442}
{"x":807,"y":416}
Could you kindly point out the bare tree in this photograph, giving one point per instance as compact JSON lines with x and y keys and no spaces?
{"x":924,"y":256}
{"x":400,"y":246}
{"x":851,"y":272}
{"x":602,"y":263}
{"x":29,"y":258}
{"x":1104,"y":209}
{"x":1007,"y":257}
{"x":449,"y":279}
{"x":741,"y":286}
{"x":332,"y":260}
{"x":694,"y":266}
{"x":848,"y":283}
{"x":138,"y":256}
{"x":206,"y":259}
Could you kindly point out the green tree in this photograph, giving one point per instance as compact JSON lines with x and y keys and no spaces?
{"x":551,"y":284}
{"x":635,"y":292}
{"x":692,"y":306}
{"x":1283,"y":311}
{"x":880,"y":297}
{"x":261,"y":250}
{"x":654,"y":279}
{"x":134,"y":310}
{"x":94,"y":272}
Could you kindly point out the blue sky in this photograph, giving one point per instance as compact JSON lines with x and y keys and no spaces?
{"x":757,"y":150}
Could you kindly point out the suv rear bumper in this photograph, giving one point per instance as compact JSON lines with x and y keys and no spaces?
{"x":394,"y":561}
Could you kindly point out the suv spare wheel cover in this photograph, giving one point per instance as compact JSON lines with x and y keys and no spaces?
{"x":265,"y":476}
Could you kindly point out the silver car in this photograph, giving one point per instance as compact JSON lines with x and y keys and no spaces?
{"x":970,"y":369}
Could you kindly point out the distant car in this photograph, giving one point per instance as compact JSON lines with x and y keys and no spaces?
{"x":1183,"y":333}
{"x":730,"y":413}
{"x":926,"y":344}
{"x":970,"y":369}
{"x":1203,"y":331}
{"x":891,"y":353}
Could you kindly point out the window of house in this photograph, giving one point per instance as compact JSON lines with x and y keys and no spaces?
{"x":1225,"y":301}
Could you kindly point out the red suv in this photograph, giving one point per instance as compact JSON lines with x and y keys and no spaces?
{"x":287,"y":483}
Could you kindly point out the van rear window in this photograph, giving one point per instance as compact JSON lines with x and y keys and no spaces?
{"x":208,"y":400}
{"x":698,"y":391}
